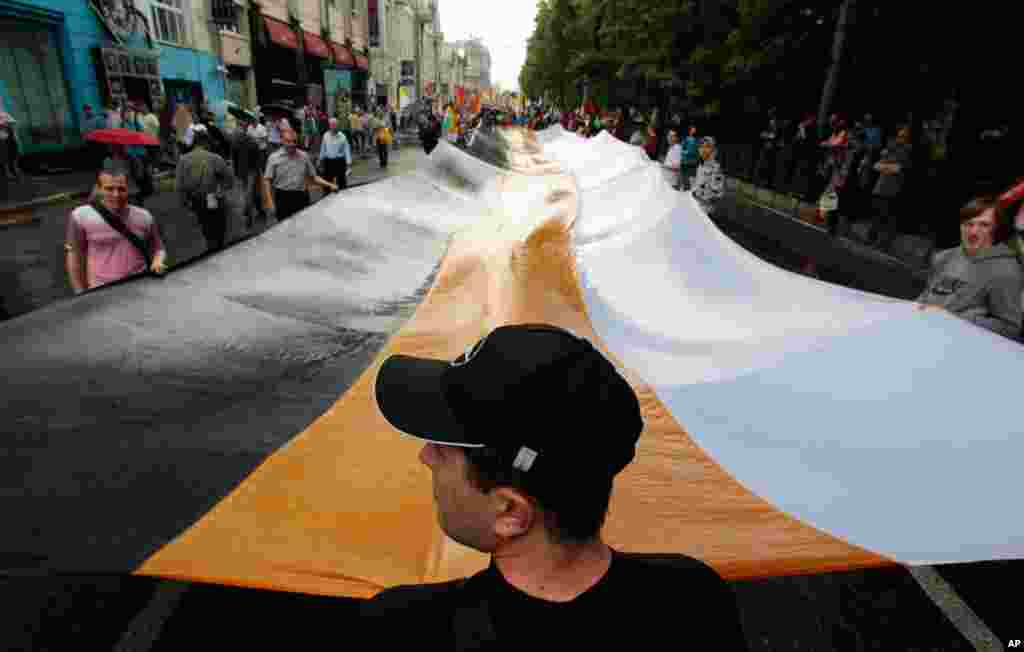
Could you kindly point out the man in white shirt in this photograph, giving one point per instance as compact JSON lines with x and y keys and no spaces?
{"x":335,"y":155}
{"x":258,"y":132}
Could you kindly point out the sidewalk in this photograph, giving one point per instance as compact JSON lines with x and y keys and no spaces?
{"x":21,"y":196}
{"x":914,"y":250}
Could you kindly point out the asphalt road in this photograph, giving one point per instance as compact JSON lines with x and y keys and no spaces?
{"x":31,"y":255}
{"x":884,"y":609}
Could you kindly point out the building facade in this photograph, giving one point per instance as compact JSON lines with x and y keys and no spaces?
{"x":311,"y":52}
{"x":384,"y":61}
{"x":478,"y":64}
{"x":56,"y":56}
{"x":453,"y":72}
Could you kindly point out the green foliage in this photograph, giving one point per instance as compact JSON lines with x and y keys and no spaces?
{"x":718,"y":49}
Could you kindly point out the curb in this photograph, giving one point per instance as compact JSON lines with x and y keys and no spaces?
{"x":6,"y":212}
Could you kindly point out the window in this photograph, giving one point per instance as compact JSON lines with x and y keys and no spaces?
{"x":227,"y":14}
{"x":169,"y":21}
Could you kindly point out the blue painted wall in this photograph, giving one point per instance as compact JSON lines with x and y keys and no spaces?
{"x":193,"y":65}
{"x":79,"y":31}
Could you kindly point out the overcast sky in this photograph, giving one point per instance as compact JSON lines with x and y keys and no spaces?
{"x":503,"y":27}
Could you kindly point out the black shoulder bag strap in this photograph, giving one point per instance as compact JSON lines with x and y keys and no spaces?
{"x":115,"y":223}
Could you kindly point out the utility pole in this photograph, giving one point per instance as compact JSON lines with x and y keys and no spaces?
{"x":832,"y":81}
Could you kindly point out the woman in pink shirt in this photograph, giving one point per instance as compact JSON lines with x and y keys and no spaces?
{"x":97,"y":253}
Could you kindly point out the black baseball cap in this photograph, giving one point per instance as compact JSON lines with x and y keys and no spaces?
{"x":547,"y":401}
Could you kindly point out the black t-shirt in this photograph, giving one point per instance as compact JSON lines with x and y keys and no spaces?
{"x":642,"y":602}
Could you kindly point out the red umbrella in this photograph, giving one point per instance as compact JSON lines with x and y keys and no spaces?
{"x":121,"y":137}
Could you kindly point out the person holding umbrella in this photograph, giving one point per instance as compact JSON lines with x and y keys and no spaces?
{"x":119,"y":140}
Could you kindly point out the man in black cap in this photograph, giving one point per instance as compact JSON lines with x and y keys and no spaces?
{"x":524,"y":435}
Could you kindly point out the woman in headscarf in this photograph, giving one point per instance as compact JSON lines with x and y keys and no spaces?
{"x":709,"y":184}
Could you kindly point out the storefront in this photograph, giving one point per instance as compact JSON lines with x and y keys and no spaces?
{"x":34,"y":86}
{"x":318,"y":55}
{"x":338,"y":80}
{"x":278,"y":62}
{"x":128,"y":75}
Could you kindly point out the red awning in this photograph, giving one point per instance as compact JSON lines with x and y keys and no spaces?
{"x":342,"y":55}
{"x":362,"y":62}
{"x":316,"y":46}
{"x":281,"y":33}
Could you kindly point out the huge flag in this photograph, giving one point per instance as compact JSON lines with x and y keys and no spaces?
{"x":220,"y":424}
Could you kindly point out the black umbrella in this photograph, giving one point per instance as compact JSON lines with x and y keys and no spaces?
{"x":278,"y":108}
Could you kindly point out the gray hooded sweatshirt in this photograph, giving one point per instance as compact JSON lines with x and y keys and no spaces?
{"x":984,"y":289}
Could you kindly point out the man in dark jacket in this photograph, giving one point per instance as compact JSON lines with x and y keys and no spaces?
{"x":248,"y":167}
{"x":430,"y":133}
{"x":201,"y":180}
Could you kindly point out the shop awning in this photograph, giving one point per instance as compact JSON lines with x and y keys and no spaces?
{"x":342,"y":55}
{"x":281,"y":34}
{"x":362,"y":62}
{"x":316,"y":46}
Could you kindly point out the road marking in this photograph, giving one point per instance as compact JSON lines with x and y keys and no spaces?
{"x":956,"y":610}
{"x":144,"y":630}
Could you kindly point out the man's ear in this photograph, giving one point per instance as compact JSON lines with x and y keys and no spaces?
{"x":516,"y":512}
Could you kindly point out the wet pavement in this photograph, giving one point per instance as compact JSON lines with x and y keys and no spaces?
{"x":31,"y":252}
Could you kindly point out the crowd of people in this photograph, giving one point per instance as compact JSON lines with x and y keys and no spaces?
{"x":277,"y":159}
{"x":981,"y":280}
{"x":690,"y":163}
{"x":852,"y":167}
{"x":274,"y":156}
